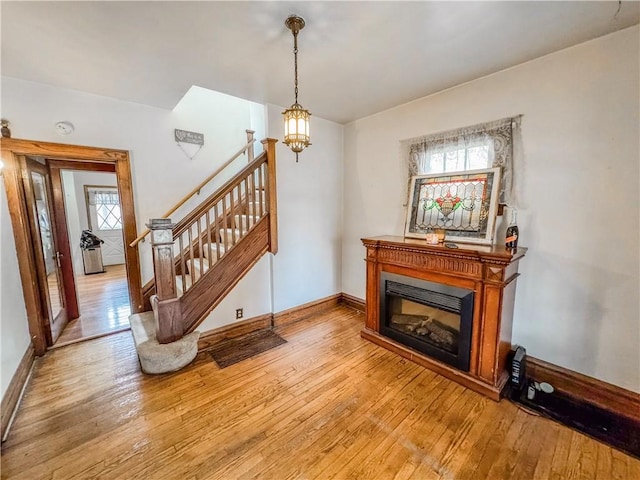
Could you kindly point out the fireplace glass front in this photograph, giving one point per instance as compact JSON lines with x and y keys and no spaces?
{"x":433,"y":318}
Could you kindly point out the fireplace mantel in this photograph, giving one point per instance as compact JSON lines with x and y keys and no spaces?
{"x":490,"y":271}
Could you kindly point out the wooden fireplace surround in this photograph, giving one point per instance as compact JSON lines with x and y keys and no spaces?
{"x":490,"y":271}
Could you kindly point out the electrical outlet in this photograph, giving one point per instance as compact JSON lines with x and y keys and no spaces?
{"x":239,"y":313}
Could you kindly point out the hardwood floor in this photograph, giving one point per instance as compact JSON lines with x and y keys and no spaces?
{"x":327,"y":404}
{"x":104,"y":306}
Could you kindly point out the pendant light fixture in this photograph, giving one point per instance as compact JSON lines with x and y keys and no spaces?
{"x":296,"y":118}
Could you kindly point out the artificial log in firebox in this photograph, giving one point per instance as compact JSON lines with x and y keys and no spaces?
{"x":489,"y":271}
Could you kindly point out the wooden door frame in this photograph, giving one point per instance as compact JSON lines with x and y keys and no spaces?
{"x":69,"y":155}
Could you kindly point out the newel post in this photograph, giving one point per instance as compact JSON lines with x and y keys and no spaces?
{"x":269,"y":145}
{"x":168,"y":314}
{"x":250,"y":153}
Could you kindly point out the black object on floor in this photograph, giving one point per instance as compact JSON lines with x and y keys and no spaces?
{"x":614,"y":430}
{"x":235,"y":350}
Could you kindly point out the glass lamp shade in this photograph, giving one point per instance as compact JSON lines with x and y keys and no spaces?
{"x":296,"y":127}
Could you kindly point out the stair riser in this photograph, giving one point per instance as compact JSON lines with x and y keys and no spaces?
{"x":197,"y":267}
{"x":214,"y":252}
{"x":228,"y":233}
{"x":255,"y":209}
{"x":242,"y":221}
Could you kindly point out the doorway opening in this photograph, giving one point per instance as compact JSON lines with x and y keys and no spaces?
{"x":92,"y":207}
{"x":36,"y":266}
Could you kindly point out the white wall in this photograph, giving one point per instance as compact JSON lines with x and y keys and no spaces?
{"x":307,"y":266}
{"x":223,"y":120}
{"x":252,"y":294}
{"x":577,"y":298}
{"x":15,"y":338}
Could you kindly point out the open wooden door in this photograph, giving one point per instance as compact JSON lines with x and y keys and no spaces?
{"x":38,"y":195}
{"x":63,"y":243}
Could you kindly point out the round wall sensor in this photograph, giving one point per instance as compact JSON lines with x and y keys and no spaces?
{"x":64,"y":128}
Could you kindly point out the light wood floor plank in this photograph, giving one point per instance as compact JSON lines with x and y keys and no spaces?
{"x":326,"y":404}
{"x":103,"y":300}
{"x":547,"y":439}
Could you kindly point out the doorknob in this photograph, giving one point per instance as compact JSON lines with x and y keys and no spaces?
{"x":57,"y":258}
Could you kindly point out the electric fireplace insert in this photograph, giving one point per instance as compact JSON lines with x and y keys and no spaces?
{"x":432,"y":318}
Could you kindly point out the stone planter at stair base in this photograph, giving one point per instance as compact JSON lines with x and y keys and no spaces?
{"x":161,"y":358}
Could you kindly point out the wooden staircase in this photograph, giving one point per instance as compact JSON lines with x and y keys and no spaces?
{"x":198,"y":260}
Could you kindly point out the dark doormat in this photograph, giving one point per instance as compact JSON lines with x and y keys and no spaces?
{"x":614,"y":430}
{"x":235,"y":350}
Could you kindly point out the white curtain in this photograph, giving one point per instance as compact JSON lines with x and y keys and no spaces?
{"x":493,"y":144}
{"x":103,"y":197}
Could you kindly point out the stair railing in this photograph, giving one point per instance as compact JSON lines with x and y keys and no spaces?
{"x":183,"y":253}
{"x":248,"y":147}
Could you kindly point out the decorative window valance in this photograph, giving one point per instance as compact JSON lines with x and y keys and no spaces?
{"x":103,"y":197}
{"x":492,"y":144}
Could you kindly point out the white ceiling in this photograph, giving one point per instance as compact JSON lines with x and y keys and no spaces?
{"x":355,"y":59}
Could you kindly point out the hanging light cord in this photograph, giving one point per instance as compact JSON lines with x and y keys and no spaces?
{"x":295,"y":61}
{"x":295,"y":68}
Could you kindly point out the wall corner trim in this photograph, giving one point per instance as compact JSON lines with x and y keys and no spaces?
{"x":353,"y":302}
{"x":300,"y":312}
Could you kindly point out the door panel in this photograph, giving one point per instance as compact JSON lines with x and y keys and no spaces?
{"x":105,"y":221}
{"x":38,"y":196}
{"x":62,"y":236}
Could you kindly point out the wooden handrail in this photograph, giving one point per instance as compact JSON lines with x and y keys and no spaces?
{"x":181,"y":226}
{"x":196,"y":189}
